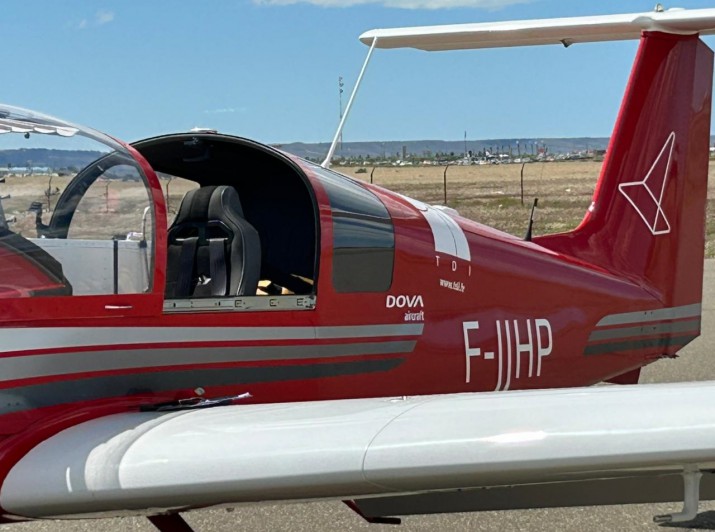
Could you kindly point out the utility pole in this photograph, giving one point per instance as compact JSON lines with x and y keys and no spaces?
{"x":340,"y":96}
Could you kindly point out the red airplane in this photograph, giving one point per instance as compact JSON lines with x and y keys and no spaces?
{"x":291,"y":333}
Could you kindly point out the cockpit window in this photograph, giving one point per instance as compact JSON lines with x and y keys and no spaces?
{"x":363,"y":235}
{"x":260,"y":197}
{"x":78,"y":218}
{"x":175,"y":188}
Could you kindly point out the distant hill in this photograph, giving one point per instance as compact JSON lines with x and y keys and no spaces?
{"x":57,"y":159}
{"x":430,"y":148}
{"x":424,"y":148}
{"x":42,"y":157}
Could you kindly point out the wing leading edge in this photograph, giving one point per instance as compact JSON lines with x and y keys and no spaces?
{"x":147,"y":463}
{"x":564,"y":31}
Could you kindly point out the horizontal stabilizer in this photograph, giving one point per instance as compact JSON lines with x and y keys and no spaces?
{"x":565,"y":31}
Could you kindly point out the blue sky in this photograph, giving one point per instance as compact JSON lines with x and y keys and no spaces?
{"x":268,"y":69}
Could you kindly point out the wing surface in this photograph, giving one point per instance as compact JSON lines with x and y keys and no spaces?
{"x":152,"y":462}
{"x":564,"y":31}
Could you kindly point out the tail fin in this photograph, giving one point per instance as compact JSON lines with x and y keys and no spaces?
{"x":647,"y":219}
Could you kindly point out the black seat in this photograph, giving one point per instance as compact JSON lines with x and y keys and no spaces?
{"x":212,"y":250}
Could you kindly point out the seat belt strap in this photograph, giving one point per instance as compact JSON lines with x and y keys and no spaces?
{"x":217,"y":266}
{"x":186,"y":267}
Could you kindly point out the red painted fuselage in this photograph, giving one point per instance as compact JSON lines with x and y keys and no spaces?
{"x":395,"y":297}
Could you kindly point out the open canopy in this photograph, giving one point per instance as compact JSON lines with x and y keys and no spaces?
{"x":564,"y":31}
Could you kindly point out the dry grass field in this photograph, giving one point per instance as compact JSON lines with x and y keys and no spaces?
{"x":491,"y":194}
{"x":108,"y":208}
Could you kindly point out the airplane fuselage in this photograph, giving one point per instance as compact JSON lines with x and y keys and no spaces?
{"x":491,"y":312}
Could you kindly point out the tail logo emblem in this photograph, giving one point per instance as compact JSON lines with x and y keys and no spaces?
{"x":646,"y":196}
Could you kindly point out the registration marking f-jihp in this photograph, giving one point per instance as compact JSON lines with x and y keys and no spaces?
{"x":532,"y":338}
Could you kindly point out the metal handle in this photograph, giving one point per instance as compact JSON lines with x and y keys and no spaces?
{"x":118,"y":307}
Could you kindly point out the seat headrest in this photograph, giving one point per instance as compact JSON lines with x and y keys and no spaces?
{"x":209,"y":203}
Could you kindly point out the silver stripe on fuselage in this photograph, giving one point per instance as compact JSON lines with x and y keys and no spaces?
{"x":671,"y":313}
{"x":30,"y":366}
{"x":644,"y":330}
{"x":30,"y":339}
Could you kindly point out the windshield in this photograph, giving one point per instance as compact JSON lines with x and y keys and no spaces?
{"x":28,"y":123}
{"x":75,"y":210}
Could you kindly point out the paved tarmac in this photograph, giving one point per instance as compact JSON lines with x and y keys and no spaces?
{"x":697,"y":362}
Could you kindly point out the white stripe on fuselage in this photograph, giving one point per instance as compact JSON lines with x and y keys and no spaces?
{"x":17,"y":339}
{"x":449,"y":238}
{"x":649,"y":316}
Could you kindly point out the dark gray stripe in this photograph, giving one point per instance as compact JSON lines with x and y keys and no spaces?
{"x":645,"y":330}
{"x":29,"y":366}
{"x":638,"y":344}
{"x":671,"y":313}
{"x":95,"y":388}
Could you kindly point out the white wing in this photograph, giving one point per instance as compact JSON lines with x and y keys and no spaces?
{"x":151,"y":462}
{"x":546,"y":31}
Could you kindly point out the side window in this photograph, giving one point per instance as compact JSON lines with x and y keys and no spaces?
{"x":112,"y":208}
{"x":109,"y":238}
{"x":363,"y":236}
{"x":76,"y":216}
{"x":175,"y":189}
{"x":99,"y":239}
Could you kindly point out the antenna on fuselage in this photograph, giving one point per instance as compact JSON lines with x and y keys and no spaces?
{"x":527,"y":237}
{"x":339,"y":132}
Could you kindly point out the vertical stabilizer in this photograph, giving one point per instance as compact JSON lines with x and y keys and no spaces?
{"x":647,"y":219}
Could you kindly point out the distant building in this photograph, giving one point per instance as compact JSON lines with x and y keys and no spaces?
{"x":27,"y":170}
